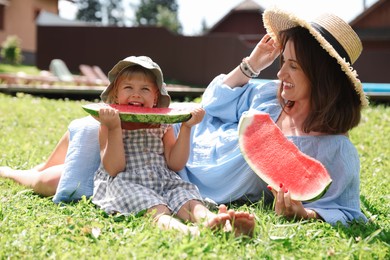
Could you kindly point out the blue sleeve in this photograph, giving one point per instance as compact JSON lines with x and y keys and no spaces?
{"x":215,"y":163}
{"x":228,"y":104}
{"x":341,"y":202}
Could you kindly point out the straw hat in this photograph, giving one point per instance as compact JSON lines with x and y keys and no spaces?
{"x":146,"y":62}
{"x":333,"y":34}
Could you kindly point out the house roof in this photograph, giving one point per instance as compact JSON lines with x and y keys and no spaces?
{"x":246,"y":6}
{"x":379,"y":9}
{"x":50,"y":19}
{"x":373,"y":24}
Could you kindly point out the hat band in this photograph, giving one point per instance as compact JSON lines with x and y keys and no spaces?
{"x":333,"y":41}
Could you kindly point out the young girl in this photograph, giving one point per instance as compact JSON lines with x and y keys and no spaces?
{"x":138,"y":162}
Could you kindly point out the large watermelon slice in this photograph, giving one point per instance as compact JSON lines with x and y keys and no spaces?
{"x":143,"y":115}
{"x":277,"y":160}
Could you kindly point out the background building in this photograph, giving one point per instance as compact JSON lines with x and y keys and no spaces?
{"x":193,"y":60}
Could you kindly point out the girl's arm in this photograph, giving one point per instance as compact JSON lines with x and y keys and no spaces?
{"x":112,"y":150}
{"x":177,"y":151}
{"x":262,"y":56}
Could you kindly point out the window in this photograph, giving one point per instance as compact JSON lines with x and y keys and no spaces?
{"x":2,"y":17}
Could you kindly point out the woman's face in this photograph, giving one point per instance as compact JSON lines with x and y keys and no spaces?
{"x":136,"y":90}
{"x":295,"y":84}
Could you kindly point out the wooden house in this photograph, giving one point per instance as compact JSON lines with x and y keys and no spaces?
{"x":373,"y":28}
{"x":188,"y":60}
{"x":17,"y":17}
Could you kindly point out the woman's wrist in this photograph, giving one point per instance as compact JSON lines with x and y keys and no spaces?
{"x":247,"y":69}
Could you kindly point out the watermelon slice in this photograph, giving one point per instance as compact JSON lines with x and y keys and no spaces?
{"x":277,"y":160}
{"x":142,"y":114}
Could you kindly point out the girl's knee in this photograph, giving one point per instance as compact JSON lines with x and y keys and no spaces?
{"x":158,"y":210}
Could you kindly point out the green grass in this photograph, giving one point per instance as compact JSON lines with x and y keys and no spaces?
{"x":9,"y":68}
{"x":33,"y":227}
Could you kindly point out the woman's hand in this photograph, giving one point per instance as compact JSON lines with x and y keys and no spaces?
{"x":287,"y":207}
{"x":264,"y":54}
{"x":109,"y":117}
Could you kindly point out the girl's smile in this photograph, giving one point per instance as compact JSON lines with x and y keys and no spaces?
{"x":137,"y":91}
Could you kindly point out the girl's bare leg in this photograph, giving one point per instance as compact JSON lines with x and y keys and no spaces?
{"x":196,"y":212}
{"x":43,"y":178}
{"x":165,"y":220}
{"x":243,"y":223}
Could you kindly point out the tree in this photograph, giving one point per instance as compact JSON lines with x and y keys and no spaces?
{"x":159,"y":13}
{"x":115,"y":12}
{"x":205,"y":27}
{"x":168,"y":19}
{"x":89,"y":10}
{"x":107,"y":12}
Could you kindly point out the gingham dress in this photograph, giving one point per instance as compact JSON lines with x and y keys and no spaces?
{"x":146,"y":181}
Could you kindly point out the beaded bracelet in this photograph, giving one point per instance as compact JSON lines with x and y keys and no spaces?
{"x":247,"y":70}
{"x":244,"y":71}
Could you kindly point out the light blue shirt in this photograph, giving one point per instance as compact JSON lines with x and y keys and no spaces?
{"x":217,"y":167}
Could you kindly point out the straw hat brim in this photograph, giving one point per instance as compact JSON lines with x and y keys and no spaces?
{"x":276,"y":20}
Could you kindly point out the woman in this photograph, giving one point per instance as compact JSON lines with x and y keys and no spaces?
{"x":316,"y":102}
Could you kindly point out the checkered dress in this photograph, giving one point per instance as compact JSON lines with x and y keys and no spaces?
{"x":146,"y":182}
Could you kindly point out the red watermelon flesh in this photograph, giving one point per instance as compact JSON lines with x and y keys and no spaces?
{"x":137,"y":114}
{"x":277,"y":160}
{"x":141,"y":110}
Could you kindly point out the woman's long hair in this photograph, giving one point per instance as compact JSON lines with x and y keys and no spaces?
{"x":335,"y":106}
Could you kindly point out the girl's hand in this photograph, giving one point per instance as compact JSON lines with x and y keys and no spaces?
{"x":264,"y":54}
{"x":109,"y":117}
{"x":197,"y":117}
{"x":287,"y":207}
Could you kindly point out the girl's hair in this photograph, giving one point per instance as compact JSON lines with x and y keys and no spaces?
{"x":335,"y":106}
{"x":129,"y":72}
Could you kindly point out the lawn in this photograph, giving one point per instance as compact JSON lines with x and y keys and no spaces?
{"x":34,"y":227}
{"x":10,"y":68}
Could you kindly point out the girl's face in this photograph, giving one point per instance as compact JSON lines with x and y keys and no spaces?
{"x":136,"y":90}
{"x":295,"y":84}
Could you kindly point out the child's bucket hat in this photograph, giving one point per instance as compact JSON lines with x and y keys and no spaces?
{"x":146,"y":62}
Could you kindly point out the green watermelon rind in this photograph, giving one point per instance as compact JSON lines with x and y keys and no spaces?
{"x":319,"y":196}
{"x":176,"y":116}
{"x":243,"y":123}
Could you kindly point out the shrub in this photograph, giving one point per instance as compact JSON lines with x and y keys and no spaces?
{"x":11,"y":52}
